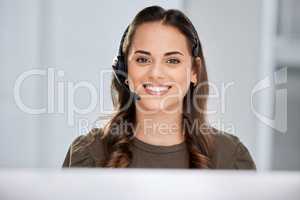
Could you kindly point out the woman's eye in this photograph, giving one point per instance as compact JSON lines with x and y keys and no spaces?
{"x":173,"y":61}
{"x":142,"y":60}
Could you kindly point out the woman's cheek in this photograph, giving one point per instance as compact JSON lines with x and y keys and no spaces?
{"x":135,"y":76}
{"x":181,"y":78}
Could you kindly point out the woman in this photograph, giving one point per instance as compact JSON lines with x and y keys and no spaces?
{"x":159,"y":90}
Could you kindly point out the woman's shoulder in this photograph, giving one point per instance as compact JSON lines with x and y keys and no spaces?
{"x":230,"y":152}
{"x":86,"y":150}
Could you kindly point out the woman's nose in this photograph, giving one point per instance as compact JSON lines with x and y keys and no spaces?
{"x":156,"y":71}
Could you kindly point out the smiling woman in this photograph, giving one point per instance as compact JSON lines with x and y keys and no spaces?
{"x":161,"y":62}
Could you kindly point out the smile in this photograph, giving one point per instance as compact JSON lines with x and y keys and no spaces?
{"x":157,"y":90}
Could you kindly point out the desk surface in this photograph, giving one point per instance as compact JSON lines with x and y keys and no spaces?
{"x":140,"y":184}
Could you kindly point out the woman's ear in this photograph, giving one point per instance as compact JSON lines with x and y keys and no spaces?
{"x":194,"y":78}
{"x":196,"y":69}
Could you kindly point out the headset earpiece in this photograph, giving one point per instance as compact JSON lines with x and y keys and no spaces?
{"x":195,"y":49}
{"x":120,"y":67}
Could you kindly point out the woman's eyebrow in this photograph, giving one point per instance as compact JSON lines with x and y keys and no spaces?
{"x":166,"y":54}
{"x":173,"y":52}
{"x":143,"y":52}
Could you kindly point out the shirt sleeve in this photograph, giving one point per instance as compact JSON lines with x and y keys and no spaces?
{"x":242,"y":158}
{"x":78,"y":154}
{"x":66,"y":162}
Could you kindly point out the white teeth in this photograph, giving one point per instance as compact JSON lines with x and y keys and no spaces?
{"x":158,"y":89}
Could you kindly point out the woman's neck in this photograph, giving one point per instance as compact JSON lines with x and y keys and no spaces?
{"x":161,"y":128}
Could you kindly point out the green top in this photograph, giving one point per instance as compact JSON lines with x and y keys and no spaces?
{"x":88,"y":150}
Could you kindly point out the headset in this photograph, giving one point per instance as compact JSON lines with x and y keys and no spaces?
{"x":120,"y":69}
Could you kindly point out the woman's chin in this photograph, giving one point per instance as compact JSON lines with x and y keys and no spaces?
{"x":156,"y":105}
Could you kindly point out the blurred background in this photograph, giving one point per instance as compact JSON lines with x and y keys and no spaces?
{"x":55,"y":62}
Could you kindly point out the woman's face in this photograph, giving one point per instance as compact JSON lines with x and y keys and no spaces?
{"x":159,"y":67}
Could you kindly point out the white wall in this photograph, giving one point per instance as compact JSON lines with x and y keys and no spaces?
{"x":19,"y":51}
{"x":79,"y":38}
{"x":231,"y":35}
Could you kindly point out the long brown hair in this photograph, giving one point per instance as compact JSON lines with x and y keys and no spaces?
{"x":118,"y":136}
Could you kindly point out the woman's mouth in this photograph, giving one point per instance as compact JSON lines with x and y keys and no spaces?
{"x":157,"y":90}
